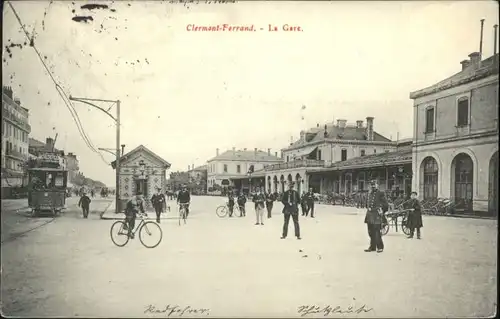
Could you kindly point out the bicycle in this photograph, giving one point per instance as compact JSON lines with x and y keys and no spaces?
{"x":391,"y":219}
{"x":182,"y":212}
{"x":223,"y":210}
{"x":144,"y":228}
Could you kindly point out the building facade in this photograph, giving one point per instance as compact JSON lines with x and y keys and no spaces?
{"x":73,"y":166}
{"x":198,"y":178}
{"x":15,"y":135}
{"x":232,"y":167}
{"x":321,"y":147}
{"x":141,"y":171}
{"x":455,"y":143}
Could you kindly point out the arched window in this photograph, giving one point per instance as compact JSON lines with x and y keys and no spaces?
{"x":430,"y":182}
{"x":464,"y":175}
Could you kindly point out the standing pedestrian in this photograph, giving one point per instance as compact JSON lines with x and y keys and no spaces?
{"x":259,"y":199}
{"x":230,"y":202}
{"x":303,"y":203}
{"x":290,"y":200}
{"x":269,"y":203}
{"x":241,"y":200}
{"x":415,"y":216}
{"x":377,"y":206}
{"x":310,"y":202}
{"x":158,"y":200}
{"x":84,"y":203}
{"x":92,"y":193}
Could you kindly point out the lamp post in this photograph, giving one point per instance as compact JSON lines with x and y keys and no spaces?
{"x":117,"y":153}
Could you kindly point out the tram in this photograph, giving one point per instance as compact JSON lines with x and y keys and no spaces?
{"x":47,"y":188}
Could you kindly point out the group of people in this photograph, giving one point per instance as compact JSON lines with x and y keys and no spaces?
{"x":377,"y":206}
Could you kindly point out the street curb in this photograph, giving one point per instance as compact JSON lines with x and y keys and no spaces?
{"x":470,"y":217}
{"x":149,"y":218}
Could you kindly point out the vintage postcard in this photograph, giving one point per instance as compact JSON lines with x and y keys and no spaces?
{"x":249,"y":159}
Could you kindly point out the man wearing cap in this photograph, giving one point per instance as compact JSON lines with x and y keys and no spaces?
{"x":291,"y":200}
{"x":184,"y":198}
{"x":377,"y":206}
{"x":158,"y":200}
{"x":134,"y":206}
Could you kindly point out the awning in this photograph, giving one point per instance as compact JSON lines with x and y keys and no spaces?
{"x":306,"y":151}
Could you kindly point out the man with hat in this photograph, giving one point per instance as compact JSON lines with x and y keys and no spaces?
{"x":291,"y":200}
{"x":377,"y":206}
{"x":184,"y":197}
{"x":158,"y":200}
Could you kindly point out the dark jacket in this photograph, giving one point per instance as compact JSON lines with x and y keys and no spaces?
{"x":230,"y":199}
{"x":132,"y":208}
{"x":84,"y":201}
{"x":309,"y":197}
{"x":242,"y":199}
{"x":415,"y":216}
{"x":259,"y":200}
{"x":270,"y":198}
{"x":184,"y":197}
{"x":158,"y":200}
{"x":290,"y":200}
{"x":376,"y":201}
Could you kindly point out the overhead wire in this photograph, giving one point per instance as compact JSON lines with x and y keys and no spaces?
{"x":59,"y":89}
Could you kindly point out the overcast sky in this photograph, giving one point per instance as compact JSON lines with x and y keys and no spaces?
{"x":199,"y":91}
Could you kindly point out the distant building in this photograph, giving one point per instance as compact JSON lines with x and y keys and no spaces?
{"x":231,"y":168}
{"x":321,"y":147}
{"x":198,"y":177}
{"x":141,"y":171}
{"x":455,"y":147}
{"x":73,"y":167}
{"x":15,"y":134}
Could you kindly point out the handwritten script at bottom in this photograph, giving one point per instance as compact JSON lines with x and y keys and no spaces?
{"x":327,"y":310}
{"x":176,"y":310}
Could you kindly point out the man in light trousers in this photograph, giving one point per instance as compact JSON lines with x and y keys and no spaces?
{"x":259,"y":199}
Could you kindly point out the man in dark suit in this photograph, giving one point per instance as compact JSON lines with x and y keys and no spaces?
{"x":291,"y":200}
{"x":377,"y":206}
{"x":310,"y":202}
{"x":158,"y":200}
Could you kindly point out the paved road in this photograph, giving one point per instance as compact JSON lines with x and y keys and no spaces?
{"x":233,"y":268}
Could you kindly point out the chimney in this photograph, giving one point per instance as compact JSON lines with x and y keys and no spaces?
{"x":317,"y":125}
{"x":189,"y":167}
{"x":255,"y":151}
{"x":495,"y":27}
{"x":359,"y":124}
{"x":341,"y":123}
{"x":234,"y":150}
{"x":245,"y":149}
{"x":216,"y":152}
{"x":303,"y":136}
{"x":369,"y":128}
{"x":49,"y":143}
{"x":465,"y":64}
{"x":268,"y":151}
{"x":276,"y":154}
{"x":475,"y":59}
{"x":123,"y":149}
{"x":481,"y":40}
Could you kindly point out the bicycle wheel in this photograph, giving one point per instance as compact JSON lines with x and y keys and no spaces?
{"x":221,"y":211}
{"x":404,"y":227}
{"x":150,"y":234}
{"x":384,"y":229}
{"x":119,"y":234}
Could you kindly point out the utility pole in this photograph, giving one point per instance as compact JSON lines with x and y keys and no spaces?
{"x":117,"y":152}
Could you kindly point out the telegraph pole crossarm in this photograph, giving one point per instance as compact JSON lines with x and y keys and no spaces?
{"x":117,"y":151}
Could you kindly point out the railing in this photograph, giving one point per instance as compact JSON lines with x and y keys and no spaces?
{"x":15,"y":154}
{"x":8,"y":115}
{"x":295,"y":164}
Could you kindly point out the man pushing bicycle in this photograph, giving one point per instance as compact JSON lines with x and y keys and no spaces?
{"x":134,"y":206}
